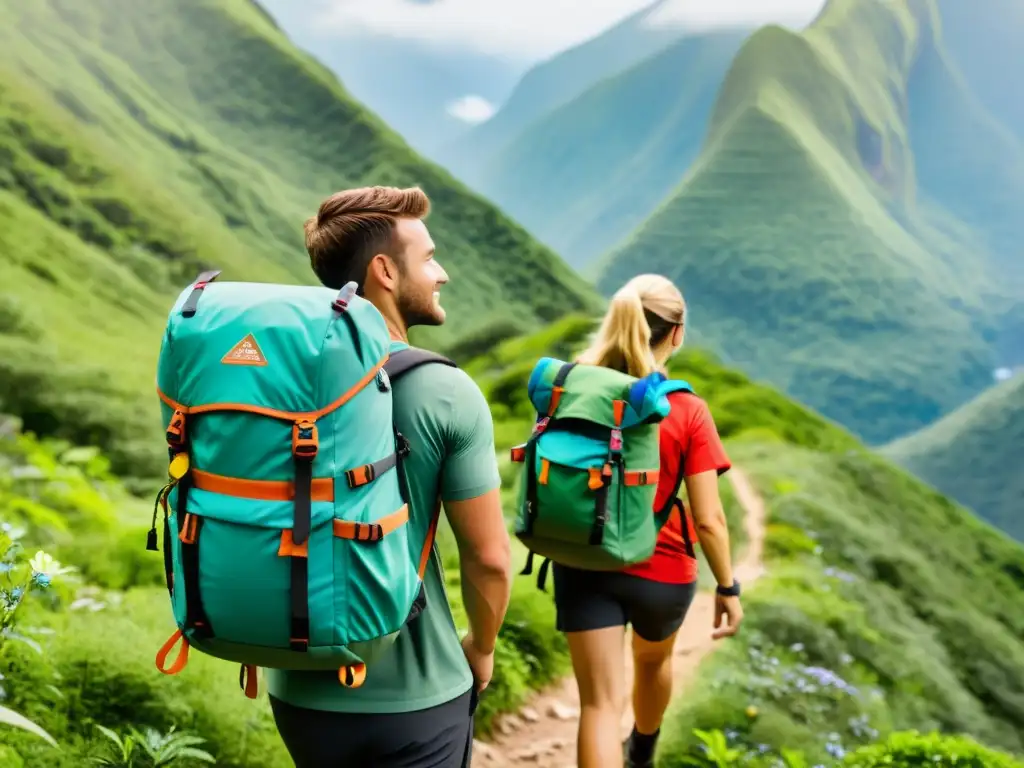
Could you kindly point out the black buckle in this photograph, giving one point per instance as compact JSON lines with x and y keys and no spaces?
{"x":376,"y":532}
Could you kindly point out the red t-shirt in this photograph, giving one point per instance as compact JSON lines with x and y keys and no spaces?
{"x":688,"y":436}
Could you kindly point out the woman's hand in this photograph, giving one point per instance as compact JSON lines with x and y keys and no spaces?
{"x":732,"y":610}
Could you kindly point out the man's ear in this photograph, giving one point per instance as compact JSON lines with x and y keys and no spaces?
{"x":383,"y":271}
{"x":677,"y":336}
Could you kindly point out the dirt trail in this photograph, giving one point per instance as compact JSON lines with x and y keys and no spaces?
{"x":543,"y":733}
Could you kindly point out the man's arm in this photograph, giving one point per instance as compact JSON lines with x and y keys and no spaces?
{"x":470,"y":491}
{"x":485,"y":560}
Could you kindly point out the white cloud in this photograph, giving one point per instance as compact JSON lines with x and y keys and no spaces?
{"x":523,"y":29}
{"x":534,"y":29}
{"x":528,"y":30}
{"x":472,"y":109}
{"x":700,"y":15}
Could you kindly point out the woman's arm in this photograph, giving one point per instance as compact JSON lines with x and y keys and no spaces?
{"x":709,"y":521}
{"x":713,"y":532}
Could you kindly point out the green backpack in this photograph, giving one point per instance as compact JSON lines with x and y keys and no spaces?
{"x":591,"y":467}
{"x":291,"y":548}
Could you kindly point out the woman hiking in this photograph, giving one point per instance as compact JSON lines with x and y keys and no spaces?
{"x":643,"y":327}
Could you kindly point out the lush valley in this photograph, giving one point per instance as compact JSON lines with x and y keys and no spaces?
{"x":140,"y":146}
{"x":973,"y":455}
{"x":866,"y":624}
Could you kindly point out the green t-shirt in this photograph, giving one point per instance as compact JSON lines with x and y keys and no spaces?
{"x":448,"y":424}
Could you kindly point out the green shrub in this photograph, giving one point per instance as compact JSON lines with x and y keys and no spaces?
{"x":914,"y":750}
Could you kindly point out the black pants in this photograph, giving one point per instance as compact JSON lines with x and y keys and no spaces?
{"x":439,"y":737}
{"x":586,"y":600}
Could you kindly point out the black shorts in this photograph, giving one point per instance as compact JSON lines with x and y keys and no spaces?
{"x":439,"y":737}
{"x":587,"y":600}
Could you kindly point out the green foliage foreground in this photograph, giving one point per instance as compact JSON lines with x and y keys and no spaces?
{"x":885,"y":607}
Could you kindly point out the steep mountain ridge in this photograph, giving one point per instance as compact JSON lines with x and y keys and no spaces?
{"x":139,"y":146}
{"x":803,"y":242}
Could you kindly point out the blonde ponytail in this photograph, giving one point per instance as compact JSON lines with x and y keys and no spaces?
{"x":624,"y":340}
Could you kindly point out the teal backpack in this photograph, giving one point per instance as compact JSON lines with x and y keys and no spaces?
{"x":591,"y":467}
{"x":287,"y":497}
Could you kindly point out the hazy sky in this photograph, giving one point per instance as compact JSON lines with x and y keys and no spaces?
{"x":534,"y":29}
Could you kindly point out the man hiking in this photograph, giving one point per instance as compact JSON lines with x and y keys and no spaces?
{"x":415,"y":707}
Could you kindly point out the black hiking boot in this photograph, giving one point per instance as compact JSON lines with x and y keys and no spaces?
{"x":638,"y":750}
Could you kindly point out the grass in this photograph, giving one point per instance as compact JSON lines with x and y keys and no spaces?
{"x":972,"y":455}
{"x":140,"y":145}
{"x":868,"y":620}
{"x":811,"y":254}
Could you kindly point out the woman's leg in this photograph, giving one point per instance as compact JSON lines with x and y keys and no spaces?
{"x":656,"y":611}
{"x":597,"y":664}
{"x":594,"y":623}
{"x":652,"y":682}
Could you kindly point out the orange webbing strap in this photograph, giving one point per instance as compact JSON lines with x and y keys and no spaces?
{"x":311,"y":416}
{"x":189,"y":529}
{"x":175,"y":432}
{"x":248,"y":680}
{"x":545,"y":467}
{"x":619,"y":409}
{"x":263,"y":490}
{"x":179,"y":661}
{"x":556,"y":396}
{"x":288,"y":547}
{"x":428,"y":544}
{"x":642,"y":477}
{"x":352,"y":676}
{"x":346,"y":529}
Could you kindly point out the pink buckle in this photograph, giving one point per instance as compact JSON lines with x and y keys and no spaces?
{"x":616,"y":442}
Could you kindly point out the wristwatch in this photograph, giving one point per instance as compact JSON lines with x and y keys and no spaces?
{"x":733,"y":591}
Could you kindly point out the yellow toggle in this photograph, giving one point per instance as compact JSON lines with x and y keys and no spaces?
{"x":179,"y":466}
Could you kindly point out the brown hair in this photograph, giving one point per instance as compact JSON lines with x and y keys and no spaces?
{"x":354,"y":225}
{"x":642,"y":314}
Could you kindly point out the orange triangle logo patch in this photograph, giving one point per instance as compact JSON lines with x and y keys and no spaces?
{"x":245,"y":352}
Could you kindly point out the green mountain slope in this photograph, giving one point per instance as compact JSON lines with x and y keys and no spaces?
{"x":973,"y":455}
{"x":554,"y":82}
{"x":884,"y":606}
{"x":868,"y":619}
{"x":409,"y":83}
{"x":807,"y":251}
{"x":587,"y":173}
{"x":140,"y":144}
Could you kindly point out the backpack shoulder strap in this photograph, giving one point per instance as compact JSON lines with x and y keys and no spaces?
{"x":405,"y":360}
{"x":397,"y":365}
